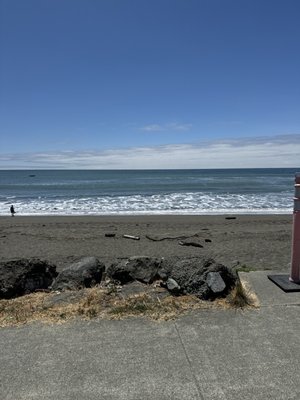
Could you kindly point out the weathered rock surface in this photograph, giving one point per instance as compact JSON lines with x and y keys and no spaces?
{"x":172,"y":286}
{"x":85,"y":273}
{"x":143,"y":269}
{"x":23,"y":276}
{"x":199,"y":276}
{"x":202,"y":277}
{"x":136,"y":288}
{"x":215,"y":282}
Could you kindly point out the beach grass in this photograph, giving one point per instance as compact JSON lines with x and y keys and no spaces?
{"x":99,"y":302}
{"x":239,"y":297}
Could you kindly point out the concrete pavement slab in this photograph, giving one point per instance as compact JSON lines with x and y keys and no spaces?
{"x":244,"y":354}
{"x":268,"y":294}
{"x":131,"y":359}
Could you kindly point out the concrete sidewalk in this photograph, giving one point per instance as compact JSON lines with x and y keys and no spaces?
{"x":266,"y":292}
{"x":219,"y":354}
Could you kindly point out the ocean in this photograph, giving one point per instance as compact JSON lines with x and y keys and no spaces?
{"x":134,"y":192}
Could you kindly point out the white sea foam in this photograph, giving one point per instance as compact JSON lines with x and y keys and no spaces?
{"x":174,"y":203}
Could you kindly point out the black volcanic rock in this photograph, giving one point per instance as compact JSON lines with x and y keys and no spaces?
{"x":143,"y":269}
{"x":23,"y":276}
{"x":84,"y":273}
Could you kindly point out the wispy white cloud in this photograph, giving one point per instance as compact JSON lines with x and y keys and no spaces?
{"x":174,"y":126}
{"x":278,"y":151}
{"x":153,"y":128}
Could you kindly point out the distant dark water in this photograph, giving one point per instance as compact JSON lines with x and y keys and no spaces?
{"x":83,"y":192}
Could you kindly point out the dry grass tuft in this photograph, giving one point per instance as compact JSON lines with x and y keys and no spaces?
{"x":240,"y":297}
{"x":96,"y":302}
{"x":106,"y":303}
{"x":40,"y":307}
{"x":156,"y":309}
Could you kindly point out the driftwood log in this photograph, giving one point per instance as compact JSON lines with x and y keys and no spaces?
{"x":159,"y":239}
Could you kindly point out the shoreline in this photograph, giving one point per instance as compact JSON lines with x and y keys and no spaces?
{"x":154,"y":214}
{"x":257,"y":241}
{"x":166,"y":215}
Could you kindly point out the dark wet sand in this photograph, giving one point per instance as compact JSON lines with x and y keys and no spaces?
{"x":257,"y":241}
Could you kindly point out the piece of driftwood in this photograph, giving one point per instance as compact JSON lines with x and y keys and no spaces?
{"x":194,"y":244}
{"x":131,"y":237}
{"x":156,"y":239}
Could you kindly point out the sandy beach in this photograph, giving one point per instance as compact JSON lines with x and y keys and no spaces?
{"x":256,"y":241}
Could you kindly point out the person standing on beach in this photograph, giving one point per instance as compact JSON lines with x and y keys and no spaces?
{"x":12,"y":210}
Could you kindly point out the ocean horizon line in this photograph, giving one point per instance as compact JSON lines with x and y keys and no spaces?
{"x":148,"y":169}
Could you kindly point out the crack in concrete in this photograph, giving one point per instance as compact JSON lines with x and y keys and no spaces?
{"x":201,"y":397}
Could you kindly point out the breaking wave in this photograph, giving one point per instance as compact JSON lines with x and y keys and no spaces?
{"x":171,"y":203}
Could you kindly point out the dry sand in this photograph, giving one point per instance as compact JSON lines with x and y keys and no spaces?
{"x":257,"y":241}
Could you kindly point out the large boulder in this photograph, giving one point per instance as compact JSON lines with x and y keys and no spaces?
{"x":84,"y":273}
{"x":204,"y":278}
{"x":142,"y":269}
{"x":23,"y":276}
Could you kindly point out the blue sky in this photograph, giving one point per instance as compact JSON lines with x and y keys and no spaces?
{"x":149,"y":84}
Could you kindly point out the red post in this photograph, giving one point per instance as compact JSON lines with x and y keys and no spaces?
{"x":295,"y":262}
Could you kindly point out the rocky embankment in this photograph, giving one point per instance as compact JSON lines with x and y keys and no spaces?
{"x":201,"y":277}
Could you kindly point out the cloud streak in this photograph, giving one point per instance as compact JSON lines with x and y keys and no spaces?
{"x":166,"y":127}
{"x":268,"y":152}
